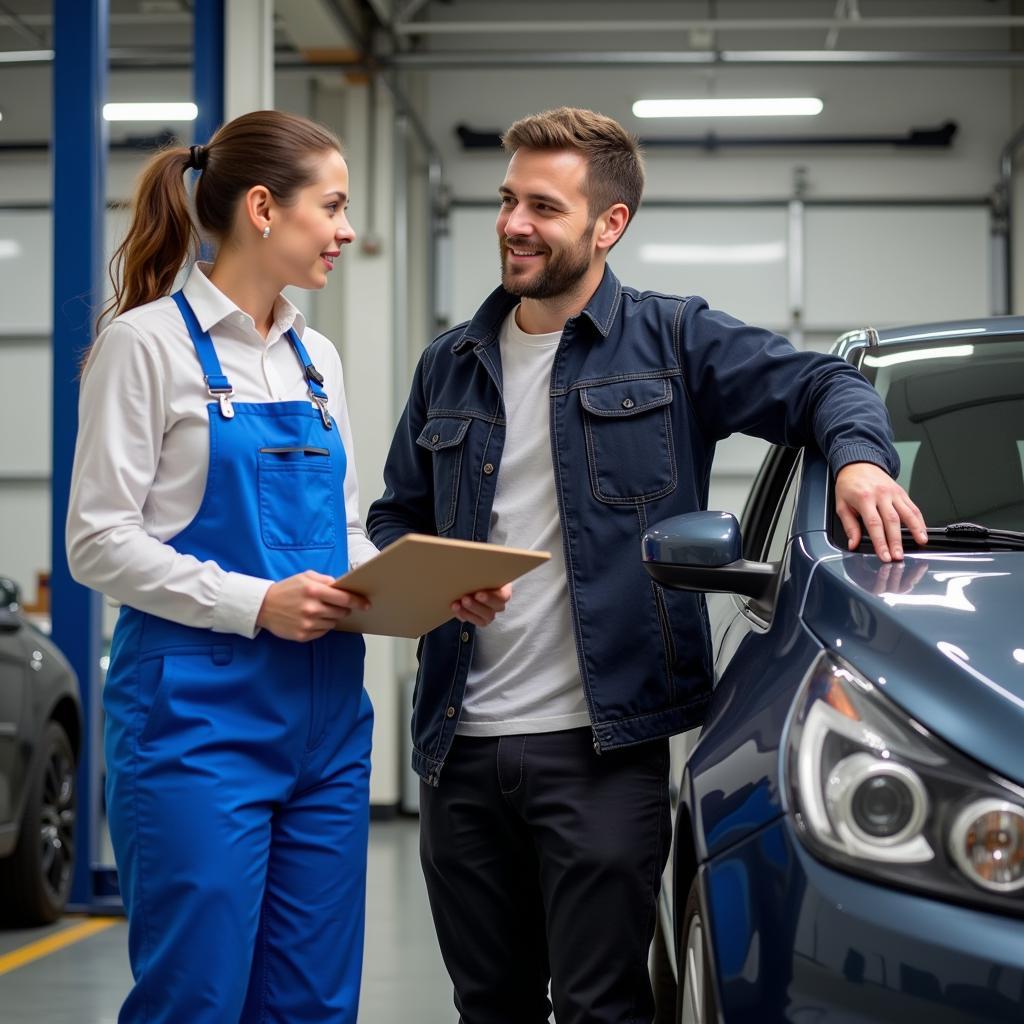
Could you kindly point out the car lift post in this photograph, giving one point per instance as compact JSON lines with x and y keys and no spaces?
{"x":79,"y":201}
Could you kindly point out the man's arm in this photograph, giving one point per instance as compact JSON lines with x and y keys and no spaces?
{"x":749,"y":380}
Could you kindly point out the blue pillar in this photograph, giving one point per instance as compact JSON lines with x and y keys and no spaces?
{"x":208,"y":67}
{"x":79,"y":200}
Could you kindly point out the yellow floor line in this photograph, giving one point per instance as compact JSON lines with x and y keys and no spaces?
{"x":44,"y":947}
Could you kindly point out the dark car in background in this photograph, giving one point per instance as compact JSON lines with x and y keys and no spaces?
{"x":849,"y":825}
{"x":40,"y":736}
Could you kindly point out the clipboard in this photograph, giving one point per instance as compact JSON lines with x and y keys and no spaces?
{"x":413,"y":582}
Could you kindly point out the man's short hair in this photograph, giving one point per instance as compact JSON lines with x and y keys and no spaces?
{"x":615,"y":166}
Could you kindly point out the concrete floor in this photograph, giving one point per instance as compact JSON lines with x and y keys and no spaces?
{"x":403,"y":977}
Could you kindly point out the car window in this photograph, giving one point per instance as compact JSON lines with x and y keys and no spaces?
{"x":778,"y":535}
{"x":957,"y":412}
{"x":766,"y":494}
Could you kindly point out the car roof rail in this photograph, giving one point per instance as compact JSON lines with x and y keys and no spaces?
{"x":854,"y":341}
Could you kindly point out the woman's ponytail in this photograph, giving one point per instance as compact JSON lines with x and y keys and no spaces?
{"x":162,"y":235}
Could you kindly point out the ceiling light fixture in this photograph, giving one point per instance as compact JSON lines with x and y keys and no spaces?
{"x":794,"y":106}
{"x":150,"y":111}
{"x":25,"y":56}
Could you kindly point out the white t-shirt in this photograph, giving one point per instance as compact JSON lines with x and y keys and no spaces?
{"x":524,"y":676}
{"x":142,"y":454}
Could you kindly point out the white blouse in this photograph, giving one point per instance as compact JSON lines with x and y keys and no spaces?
{"x":142,"y":455}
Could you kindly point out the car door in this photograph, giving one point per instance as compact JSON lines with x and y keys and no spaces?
{"x":766,"y":523}
{"x":767,"y":519}
{"x":13,"y":681}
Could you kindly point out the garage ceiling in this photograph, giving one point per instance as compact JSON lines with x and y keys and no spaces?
{"x":436,"y":33}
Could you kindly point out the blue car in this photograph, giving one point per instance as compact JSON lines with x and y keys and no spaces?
{"x":849,"y":825}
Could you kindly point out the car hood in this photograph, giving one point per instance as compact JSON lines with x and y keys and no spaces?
{"x":942,"y":635}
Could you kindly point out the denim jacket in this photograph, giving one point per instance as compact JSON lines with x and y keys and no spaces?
{"x":642,"y":387}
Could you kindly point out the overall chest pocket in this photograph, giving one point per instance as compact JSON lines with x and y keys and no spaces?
{"x":296,"y":496}
{"x":444,"y":437}
{"x":630,"y":452}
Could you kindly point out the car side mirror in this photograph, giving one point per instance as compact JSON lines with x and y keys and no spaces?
{"x":10,"y":603}
{"x":703,"y":551}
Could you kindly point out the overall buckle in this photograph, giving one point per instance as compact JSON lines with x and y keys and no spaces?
{"x":320,"y":401}
{"x":223,"y":395}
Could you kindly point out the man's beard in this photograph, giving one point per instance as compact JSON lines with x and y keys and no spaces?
{"x":561,"y":274}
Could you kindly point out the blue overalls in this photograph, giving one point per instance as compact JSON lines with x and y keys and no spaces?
{"x":238,"y":769}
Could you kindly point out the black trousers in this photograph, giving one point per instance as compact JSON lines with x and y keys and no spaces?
{"x":543,"y":861}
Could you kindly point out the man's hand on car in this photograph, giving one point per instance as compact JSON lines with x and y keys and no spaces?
{"x":866,"y":494}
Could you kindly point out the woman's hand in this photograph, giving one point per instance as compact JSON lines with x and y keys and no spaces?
{"x":480,"y":607}
{"x":306,"y":606}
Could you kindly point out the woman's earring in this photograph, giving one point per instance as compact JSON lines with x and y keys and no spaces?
{"x":266,"y":231}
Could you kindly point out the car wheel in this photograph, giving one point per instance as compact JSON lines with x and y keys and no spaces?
{"x":695,"y":1002}
{"x":36,"y":879}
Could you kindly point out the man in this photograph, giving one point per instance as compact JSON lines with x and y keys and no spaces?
{"x":569,"y":415}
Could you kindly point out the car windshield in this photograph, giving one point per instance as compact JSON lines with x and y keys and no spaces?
{"x":957,"y":410}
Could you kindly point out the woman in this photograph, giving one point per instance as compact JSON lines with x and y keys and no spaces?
{"x":214,"y":496}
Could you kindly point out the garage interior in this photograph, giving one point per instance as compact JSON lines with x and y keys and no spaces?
{"x":895,"y":204}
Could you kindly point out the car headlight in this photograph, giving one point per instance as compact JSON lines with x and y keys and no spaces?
{"x":873,"y":791}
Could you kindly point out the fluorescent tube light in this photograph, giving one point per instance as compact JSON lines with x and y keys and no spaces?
{"x":25,"y":56}
{"x":756,"y":252}
{"x":779,"y":107}
{"x":894,"y":358}
{"x":150,"y":111}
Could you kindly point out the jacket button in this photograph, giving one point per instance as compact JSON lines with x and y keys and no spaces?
{"x":465,"y":636}
{"x":450,"y":712}
{"x":435,"y":439}
{"x":488,"y":468}
{"x":628,"y":403}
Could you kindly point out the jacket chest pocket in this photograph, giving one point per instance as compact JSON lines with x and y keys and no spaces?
{"x":630,"y":452}
{"x":444,"y":437}
{"x":296,"y":497}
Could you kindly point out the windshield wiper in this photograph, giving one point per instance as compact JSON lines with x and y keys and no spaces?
{"x":971,"y":535}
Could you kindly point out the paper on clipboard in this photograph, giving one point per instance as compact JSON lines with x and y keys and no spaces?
{"x":413,"y":582}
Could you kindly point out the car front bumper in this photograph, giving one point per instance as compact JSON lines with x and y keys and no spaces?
{"x":795,"y":940}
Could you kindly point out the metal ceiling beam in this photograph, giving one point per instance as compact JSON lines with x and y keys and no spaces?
{"x":18,"y":23}
{"x":410,"y":10}
{"x":125,"y":58}
{"x":610,"y":59}
{"x":380,"y":8}
{"x":404,"y":26}
{"x":710,"y":25}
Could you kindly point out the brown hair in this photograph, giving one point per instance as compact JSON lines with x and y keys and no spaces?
{"x":265,"y":147}
{"x":615,"y":166}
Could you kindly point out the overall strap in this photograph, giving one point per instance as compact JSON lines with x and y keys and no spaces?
{"x":314,"y":379}
{"x":217,"y":384}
